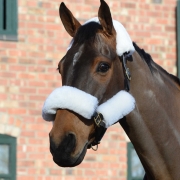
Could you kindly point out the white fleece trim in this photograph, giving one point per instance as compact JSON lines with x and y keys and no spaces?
{"x":117,"y":107}
{"x":123,"y":40}
{"x":84,"y":104}
{"x":71,"y":98}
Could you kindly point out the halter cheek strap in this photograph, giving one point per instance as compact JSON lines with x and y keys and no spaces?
{"x":98,"y":116}
{"x":111,"y":112}
{"x":126,"y":71}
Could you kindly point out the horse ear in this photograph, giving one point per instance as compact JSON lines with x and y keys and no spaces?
{"x":70,"y":23}
{"x":105,"y":18}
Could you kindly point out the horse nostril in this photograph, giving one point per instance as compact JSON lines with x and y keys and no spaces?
{"x":69,"y":142}
{"x":67,"y":145}
{"x":71,"y":135}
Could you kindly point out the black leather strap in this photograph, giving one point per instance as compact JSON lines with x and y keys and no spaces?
{"x":100,"y":128}
{"x":127,"y":74}
{"x":100,"y":133}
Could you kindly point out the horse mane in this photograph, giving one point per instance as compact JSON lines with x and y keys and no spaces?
{"x":145,"y":56}
{"x":148,"y":59}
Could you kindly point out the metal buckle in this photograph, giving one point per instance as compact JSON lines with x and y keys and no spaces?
{"x":98,"y":119}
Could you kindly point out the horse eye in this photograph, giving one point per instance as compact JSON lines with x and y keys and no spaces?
{"x":103,"y":67}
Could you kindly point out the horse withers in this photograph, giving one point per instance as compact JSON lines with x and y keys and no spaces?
{"x":100,"y":63}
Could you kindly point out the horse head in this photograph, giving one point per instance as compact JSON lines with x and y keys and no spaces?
{"x":92,"y":73}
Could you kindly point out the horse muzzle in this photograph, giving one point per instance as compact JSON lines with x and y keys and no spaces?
{"x":63,"y":154}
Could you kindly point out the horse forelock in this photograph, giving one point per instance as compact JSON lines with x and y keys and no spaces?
{"x":88,"y":43}
{"x":91,"y":33}
{"x":86,"y":33}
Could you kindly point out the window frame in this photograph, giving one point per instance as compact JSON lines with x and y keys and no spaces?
{"x":11,"y":142}
{"x":178,"y":37}
{"x":130,"y":147}
{"x":11,"y":20}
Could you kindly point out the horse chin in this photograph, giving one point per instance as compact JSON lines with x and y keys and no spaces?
{"x":70,"y":161}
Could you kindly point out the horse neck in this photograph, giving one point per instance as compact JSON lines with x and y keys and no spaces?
{"x":152,"y":127}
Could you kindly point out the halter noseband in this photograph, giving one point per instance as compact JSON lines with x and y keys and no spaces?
{"x":98,"y":118}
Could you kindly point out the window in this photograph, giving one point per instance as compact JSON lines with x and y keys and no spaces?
{"x":7,"y":157}
{"x":135,"y":168}
{"x":178,"y":36}
{"x":8,"y":19}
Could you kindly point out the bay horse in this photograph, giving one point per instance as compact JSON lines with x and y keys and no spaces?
{"x":93,"y":66}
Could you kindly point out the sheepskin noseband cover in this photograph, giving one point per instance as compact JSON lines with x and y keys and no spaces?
{"x":71,"y":98}
{"x":86,"y":105}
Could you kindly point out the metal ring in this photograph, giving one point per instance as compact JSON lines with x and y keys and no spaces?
{"x":95,"y":149}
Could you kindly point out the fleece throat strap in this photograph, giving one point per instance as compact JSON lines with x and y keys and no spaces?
{"x":86,"y":105}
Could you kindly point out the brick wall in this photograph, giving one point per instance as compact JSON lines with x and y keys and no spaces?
{"x":28,"y":74}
